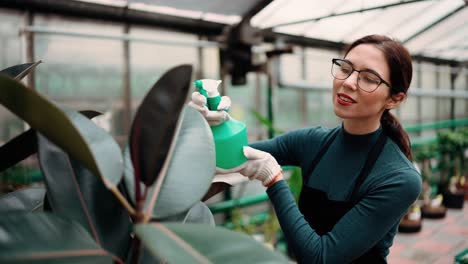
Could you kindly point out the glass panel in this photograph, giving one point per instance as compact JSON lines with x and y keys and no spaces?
{"x":10,"y":54}
{"x":211,"y":63}
{"x":291,"y":69}
{"x":150,"y":60}
{"x":461,"y":84}
{"x":319,"y":104}
{"x":443,"y":107}
{"x":426,"y":81}
{"x":82,"y":72}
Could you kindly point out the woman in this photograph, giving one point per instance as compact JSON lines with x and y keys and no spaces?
{"x":358,"y":177}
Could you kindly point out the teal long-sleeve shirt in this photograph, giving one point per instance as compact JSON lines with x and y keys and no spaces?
{"x":391,"y":187}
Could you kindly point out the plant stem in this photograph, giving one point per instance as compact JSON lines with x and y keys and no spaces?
{"x":136,"y":250}
{"x":122,"y":200}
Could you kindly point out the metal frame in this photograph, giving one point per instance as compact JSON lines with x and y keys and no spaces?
{"x":116,"y":14}
{"x":418,"y":92}
{"x":183,"y":24}
{"x":125,"y":36}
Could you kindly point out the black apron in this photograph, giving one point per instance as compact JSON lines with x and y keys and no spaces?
{"x":322,"y":214}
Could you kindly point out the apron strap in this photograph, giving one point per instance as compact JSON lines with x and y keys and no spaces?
{"x":320,"y":155}
{"x":372,"y":157}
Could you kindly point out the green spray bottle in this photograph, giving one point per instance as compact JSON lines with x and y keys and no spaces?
{"x":230,"y":136}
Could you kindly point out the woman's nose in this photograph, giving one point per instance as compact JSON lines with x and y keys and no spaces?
{"x":351,"y":81}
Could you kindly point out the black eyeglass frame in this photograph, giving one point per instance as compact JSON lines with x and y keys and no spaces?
{"x":334,"y":61}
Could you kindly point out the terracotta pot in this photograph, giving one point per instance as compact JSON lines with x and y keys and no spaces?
{"x":465,"y":187}
{"x":410,"y":226}
{"x":412,"y":220}
{"x":433,"y":212}
{"x":454,"y":200}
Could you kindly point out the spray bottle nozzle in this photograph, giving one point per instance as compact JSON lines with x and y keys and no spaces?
{"x":209,"y":89}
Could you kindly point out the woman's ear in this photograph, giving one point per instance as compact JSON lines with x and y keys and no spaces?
{"x":395,"y":100}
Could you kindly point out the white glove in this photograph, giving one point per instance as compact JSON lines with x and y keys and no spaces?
{"x":260,"y":166}
{"x":214,"y":118}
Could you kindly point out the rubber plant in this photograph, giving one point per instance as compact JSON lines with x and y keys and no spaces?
{"x":102,"y":206}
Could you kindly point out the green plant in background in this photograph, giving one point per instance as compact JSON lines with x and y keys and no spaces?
{"x":271,"y":227}
{"x":295,"y":174}
{"x":423,"y":156}
{"x":452,"y":163}
{"x":266,"y":122}
{"x":101,"y":206}
{"x":241,"y":222}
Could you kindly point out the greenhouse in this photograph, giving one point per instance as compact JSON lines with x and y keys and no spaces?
{"x":126,"y":126}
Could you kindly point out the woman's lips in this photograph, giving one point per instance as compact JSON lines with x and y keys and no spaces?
{"x":344,"y":99}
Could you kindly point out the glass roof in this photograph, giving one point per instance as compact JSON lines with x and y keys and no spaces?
{"x":432,"y":28}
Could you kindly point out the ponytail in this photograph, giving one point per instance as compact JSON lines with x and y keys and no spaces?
{"x":392,"y":127}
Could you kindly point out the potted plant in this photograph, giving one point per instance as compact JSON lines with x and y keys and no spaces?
{"x":412,"y":220}
{"x":431,"y":203}
{"x":452,"y":147}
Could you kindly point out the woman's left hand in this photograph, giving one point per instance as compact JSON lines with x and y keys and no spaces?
{"x":260,"y":166}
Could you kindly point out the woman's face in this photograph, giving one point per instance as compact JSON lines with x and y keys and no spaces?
{"x":360,"y":109}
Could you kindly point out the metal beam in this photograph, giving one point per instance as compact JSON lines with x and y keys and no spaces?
{"x":124,"y":37}
{"x":303,"y":41}
{"x":255,"y":9}
{"x":418,"y":92}
{"x":339,"y":46}
{"x":115,"y":14}
{"x":435,"y":60}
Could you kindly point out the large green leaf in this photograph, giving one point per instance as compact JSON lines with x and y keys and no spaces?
{"x":24,"y":145}
{"x":19,"y":71}
{"x":45,"y":238}
{"x":17,"y":149}
{"x":76,"y":193}
{"x":155,"y":123}
{"x":27,"y":199}
{"x":195,"y":243}
{"x":97,"y":150}
{"x":190,"y":170}
{"x":199,"y":213}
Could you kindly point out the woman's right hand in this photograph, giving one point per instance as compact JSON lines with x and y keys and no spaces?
{"x":214,"y":118}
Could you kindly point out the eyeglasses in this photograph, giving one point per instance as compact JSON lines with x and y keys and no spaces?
{"x":368,"y":80}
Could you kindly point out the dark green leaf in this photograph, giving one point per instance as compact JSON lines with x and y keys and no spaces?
{"x":215,"y":188}
{"x":77,"y":194}
{"x":195,"y":243}
{"x":190,"y":170}
{"x":266,"y":122}
{"x":25,"y":144}
{"x":26,"y":199}
{"x":45,"y":238}
{"x":17,"y":149}
{"x":198,"y":214}
{"x":19,"y":71}
{"x":155,"y":123}
{"x":97,"y":151}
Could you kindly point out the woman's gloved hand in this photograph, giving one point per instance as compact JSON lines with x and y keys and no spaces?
{"x":260,"y":166}
{"x":214,"y":118}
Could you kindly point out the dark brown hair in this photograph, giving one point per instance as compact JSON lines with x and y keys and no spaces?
{"x":401,"y":71}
